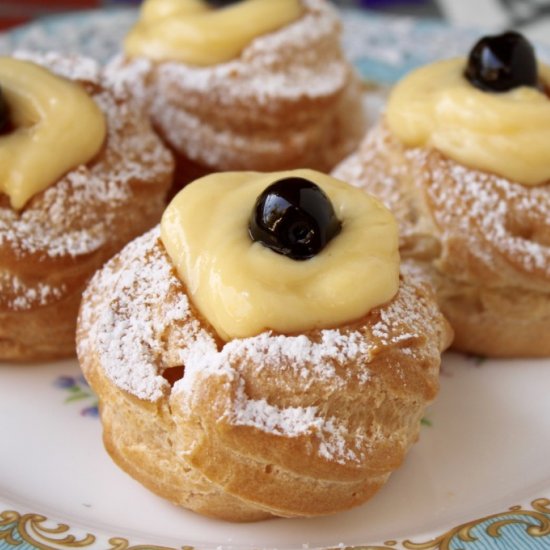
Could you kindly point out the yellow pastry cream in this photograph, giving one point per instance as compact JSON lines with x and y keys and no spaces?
{"x":54,"y":126}
{"x":243,"y":287}
{"x":505,"y":133}
{"x":199,"y":33}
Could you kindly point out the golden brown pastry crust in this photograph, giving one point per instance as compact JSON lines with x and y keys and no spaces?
{"x":483,"y":240}
{"x":50,"y":249}
{"x":271,"y":425}
{"x":290,"y":100}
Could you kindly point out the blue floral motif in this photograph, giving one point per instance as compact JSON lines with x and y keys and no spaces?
{"x":65,"y":382}
{"x":78,"y":389}
{"x":92,"y":411}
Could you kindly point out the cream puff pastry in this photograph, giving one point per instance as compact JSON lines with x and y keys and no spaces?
{"x":261,"y":355}
{"x":247,"y":85}
{"x":81,"y":174}
{"x":462,"y":159}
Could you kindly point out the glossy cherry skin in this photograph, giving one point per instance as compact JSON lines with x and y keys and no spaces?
{"x":295,"y":218}
{"x":5,"y":124}
{"x":221,"y":3}
{"x":501,"y":63}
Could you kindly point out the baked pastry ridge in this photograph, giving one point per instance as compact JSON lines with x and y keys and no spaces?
{"x":288,"y":100}
{"x":482,"y":237}
{"x":268,"y":425}
{"x":50,"y":248}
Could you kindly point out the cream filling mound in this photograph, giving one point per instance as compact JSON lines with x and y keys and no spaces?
{"x":507,"y":134}
{"x":194,"y":32}
{"x":243,"y":288}
{"x":57,"y":127}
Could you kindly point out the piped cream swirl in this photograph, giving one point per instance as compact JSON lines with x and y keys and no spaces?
{"x":57,"y":127}
{"x":507,"y":134}
{"x":243,"y":288}
{"x":194,"y":32}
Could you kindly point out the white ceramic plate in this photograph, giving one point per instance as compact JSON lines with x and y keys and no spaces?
{"x":485,"y":449}
{"x":478,"y":479}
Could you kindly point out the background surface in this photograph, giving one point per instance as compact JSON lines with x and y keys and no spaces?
{"x":530,"y":15}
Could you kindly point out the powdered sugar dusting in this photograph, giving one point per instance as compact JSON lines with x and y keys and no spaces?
{"x":308,"y":358}
{"x":504,"y":226}
{"x":189,"y":132}
{"x":137,"y":319}
{"x":281,"y":64}
{"x":500,"y":215}
{"x":291,"y":421}
{"x":27,"y":295}
{"x":122,"y":75}
{"x":333,"y":445}
{"x":402,"y":326}
{"x":294,"y":422}
{"x":130,"y":332}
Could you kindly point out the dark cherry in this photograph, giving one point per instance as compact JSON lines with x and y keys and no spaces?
{"x":294,"y":217}
{"x":221,"y":3}
{"x":5,"y":124}
{"x":502,"y":62}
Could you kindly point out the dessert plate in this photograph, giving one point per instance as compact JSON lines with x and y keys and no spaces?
{"x":478,"y":479}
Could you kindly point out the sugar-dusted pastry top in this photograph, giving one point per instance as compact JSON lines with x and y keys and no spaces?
{"x":230,"y":115}
{"x":139,"y":320}
{"x":243,"y":287}
{"x":74,"y":217}
{"x":274,"y":424}
{"x":53,"y":126}
{"x":476,"y":226}
{"x":199,"y":33}
{"x":302,"y":59}
{"x":506,"y":133}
